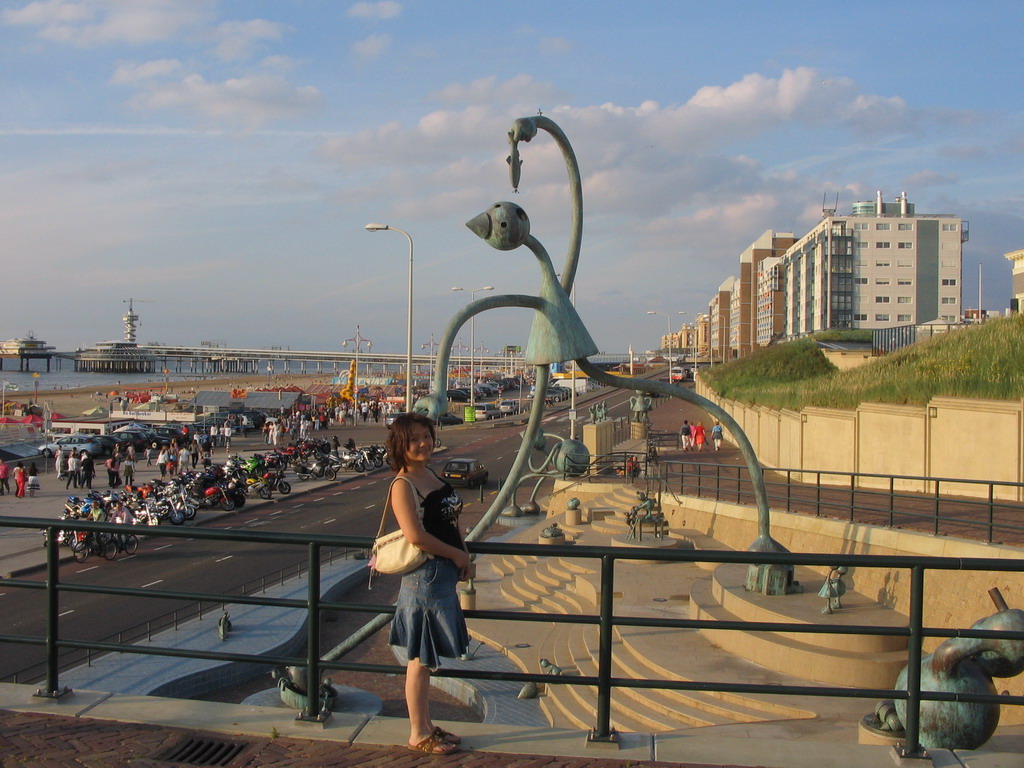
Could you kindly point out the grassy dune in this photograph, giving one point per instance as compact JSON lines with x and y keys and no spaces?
{"x":985,"y":361}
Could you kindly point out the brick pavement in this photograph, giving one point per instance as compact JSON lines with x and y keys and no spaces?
{"x":42,"y":741}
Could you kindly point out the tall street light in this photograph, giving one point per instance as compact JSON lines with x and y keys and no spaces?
{"x":408,"y":338}
{"x":472,"y":342}
{"x":683,"y":349}
{"x":668,"y":327}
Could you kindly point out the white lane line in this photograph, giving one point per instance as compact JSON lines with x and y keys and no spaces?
{"x":279,"y":512}
{"x":152,"y":584}
{"x":296,"y":506}
{"x":325,"y":522}
{"x":371,"y":506}
{"x":320,"y":499}
{"x":338,"y":493}
{"x":90,"y":568}
{"x":222,"y":559}
{"x":65,"y":613}
{"x":164,"y":546}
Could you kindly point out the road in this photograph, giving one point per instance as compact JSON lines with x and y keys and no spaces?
{"x":351,"y":507}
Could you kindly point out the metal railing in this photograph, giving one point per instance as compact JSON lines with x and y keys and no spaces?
{"x":605,"y":620}
{"x":940,"y":510}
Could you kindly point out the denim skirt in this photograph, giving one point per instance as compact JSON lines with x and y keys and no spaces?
{"x":428,"y":621}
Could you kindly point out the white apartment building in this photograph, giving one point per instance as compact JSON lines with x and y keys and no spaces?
{"x":770,"y":315}
{"x":882,"y":266}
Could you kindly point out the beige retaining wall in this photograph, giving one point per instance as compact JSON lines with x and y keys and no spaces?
{"x":948,"y":438}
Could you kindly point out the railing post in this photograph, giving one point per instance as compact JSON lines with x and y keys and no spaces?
{"x":604,"y":731}
{"x":991,"y":511}
{"x":853,"y":494}
{"x":892,"y":500}
{"x":935,"y":526}
{"x":789,"y":490}
{"x":912,"y":727}
{"x":817,"y":495}
{"x":312,"y":710}
{"x":52,"y":618}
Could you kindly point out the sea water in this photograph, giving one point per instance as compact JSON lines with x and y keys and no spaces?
{"x":25,"y":381}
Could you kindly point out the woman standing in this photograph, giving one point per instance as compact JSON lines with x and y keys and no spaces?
{"x":428,"y":621}
{"x":19,"y":480}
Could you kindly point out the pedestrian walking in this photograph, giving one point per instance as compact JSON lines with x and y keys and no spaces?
{"x":151,"y":453}
{"x":128,"y":469}
{"x":113,"y":465}
{"x":161,"y":462}
{"x":73,"y":474}
{"x":33,"y":479}
{"x":685,"y":434}
{"x":716,"y":436}
{"x":86,"y":470}
{"x":5,"y":477}
{"x":699,"y":436}
{"x":19,"y":480}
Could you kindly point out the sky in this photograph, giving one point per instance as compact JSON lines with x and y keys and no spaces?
{"x":216,"y":161}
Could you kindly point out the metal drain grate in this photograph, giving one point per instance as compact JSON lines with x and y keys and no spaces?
{"x":202,"y":751}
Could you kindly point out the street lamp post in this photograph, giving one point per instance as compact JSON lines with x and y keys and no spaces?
{"x":472,"y":342}
{"x":668,"y":327}
{"x":408,"y":340}
{"x":683,"y":349}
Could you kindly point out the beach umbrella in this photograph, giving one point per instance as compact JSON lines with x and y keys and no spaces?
{"x":97,"y":411}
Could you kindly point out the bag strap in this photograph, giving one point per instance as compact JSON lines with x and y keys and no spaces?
{"x":387,"y":501}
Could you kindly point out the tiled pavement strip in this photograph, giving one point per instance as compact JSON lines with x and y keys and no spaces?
{"x":96,"y":729}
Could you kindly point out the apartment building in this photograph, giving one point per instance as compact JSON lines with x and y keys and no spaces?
{"x":1017,"y":293}
{"x":770,"y":312}
{"x":882,"y":266}
{"x":719,"y":313}
{"x":743,"y":300}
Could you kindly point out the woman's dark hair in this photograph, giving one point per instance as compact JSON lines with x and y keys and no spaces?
{"x":400,"y":435}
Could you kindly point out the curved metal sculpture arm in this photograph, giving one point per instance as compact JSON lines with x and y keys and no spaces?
{"x":764,"y":542}
{"x":524,"y":129}
{"x":440,"y":381}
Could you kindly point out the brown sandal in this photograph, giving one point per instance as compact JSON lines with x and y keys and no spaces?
{"x":435,"y":745}
{"x":451,"y":738}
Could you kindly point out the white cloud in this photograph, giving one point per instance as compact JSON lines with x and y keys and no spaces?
{"x":516,"y":93}
{"x":248,"y":101}
{"x":372,"y":47}
{"x":555,"y":45}
{"x":928,"y":178}
{"x":88,"y":23}
{"x":386,"y":9}
{"x":137,"y":72}
{"x":238,"y":39}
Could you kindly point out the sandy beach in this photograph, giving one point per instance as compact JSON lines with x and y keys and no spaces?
{"x":70,"y":403}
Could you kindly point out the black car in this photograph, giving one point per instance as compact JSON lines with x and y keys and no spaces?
{"x":467,"y":472}
{"x":459,"y":395}
{"x":445,"y":420}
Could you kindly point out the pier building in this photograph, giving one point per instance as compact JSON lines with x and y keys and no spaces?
{"x":25,"y":350}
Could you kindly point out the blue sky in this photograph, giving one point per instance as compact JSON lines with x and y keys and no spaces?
{"x":217,"y":161}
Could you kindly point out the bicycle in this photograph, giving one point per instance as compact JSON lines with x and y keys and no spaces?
{"x":85,"y":543}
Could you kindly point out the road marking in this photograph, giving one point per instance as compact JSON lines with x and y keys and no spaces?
{"x":222,"y":559}
{"x":320,"y":499}
{"x":370,"y":506}
{"x":164,"y":546}
{"x":90,"y":568}
{"x":339,"y":493}
{"x":65,"y":613}
{"x":325,"y":522}
{"x":152,"y":584}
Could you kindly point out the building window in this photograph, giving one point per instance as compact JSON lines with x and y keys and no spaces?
{"x":861,"y":225}
{"x":882,"y":244}
{"x":904,"y":281}
{"x":905,"y":246}
{"x":882,"y":281}
{"x":860,"y":263}
{"x":906,"y":227}
{"x":949,"y":318}
{"x":860,"y":244}
{"x":882,"y":318}
{"x":885,"y":300}
{"x":860,"y":317}
{"x":860,"y":280}
{"x":904,"y":300}
{"x":904,"y":263}
{"x":903,"y":318}
{"x":883,"y":226}
{"x":883,"y":263}
{"x":949,"y":227}
{"x":949,"y":299}
{"x":950,"y":265}
{"x":949,"y":281}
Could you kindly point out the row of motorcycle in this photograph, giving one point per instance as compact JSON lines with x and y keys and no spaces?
{"x":226,"y":487}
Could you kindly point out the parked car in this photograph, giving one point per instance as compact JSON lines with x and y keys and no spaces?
{"x":557,"y":394}
{"x":77,"y":443}
{"x":467,"y":472}
{"x":445,"y":420}
{"x":485,"y":411}
{"x":459,"y":395}
{"x":508,"y":407}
